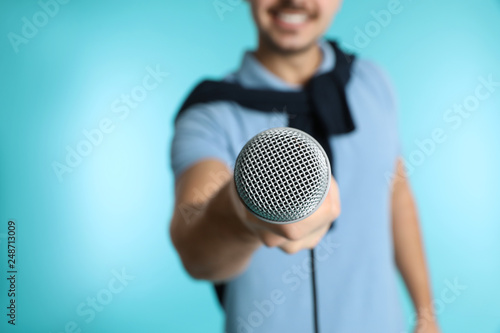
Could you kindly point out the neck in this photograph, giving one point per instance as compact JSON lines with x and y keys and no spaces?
{"x":295,"y":68}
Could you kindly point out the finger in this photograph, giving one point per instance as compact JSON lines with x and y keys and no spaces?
{"x":309,"y":242}
{"x":292,"y":231}
{"x":269,"y":238}
{"x":330,"y":208}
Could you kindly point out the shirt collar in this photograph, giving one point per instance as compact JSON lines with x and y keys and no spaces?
{"x":253,"y":75}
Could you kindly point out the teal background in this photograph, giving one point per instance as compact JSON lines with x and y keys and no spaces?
{"x":112,"y":211}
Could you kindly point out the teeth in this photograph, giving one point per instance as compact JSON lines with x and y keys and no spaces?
{"x":292,"y":18}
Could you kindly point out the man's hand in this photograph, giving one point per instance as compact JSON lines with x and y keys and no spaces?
{"x":218,"y":235}
{"x":291,"y":238}
{"x":424,"y":326}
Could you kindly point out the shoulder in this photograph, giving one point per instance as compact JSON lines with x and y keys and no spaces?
{"x":372,"y":81}
{"x":201,"y":133}
{"x":206,"y":109}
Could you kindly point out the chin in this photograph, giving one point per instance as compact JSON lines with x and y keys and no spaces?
{"x":291,"y":44}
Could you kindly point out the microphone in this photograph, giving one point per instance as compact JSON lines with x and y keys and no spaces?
{"x":282,"y":175}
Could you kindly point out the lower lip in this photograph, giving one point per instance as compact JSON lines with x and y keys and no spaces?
{"x":288,"y":26}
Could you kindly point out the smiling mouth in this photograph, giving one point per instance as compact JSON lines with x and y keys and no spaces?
{"x":290,"y":19}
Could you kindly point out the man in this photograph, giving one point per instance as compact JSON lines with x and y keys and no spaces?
{"x":263,"y":271}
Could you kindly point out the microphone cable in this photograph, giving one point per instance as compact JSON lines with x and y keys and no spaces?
{"x":314,"y":292}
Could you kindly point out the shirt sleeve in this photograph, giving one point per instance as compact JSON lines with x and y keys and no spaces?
{"x":386,"y":94}
{"x":199,"y":134}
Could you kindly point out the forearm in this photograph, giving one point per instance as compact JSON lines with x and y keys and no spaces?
{"x":213,"y":244}
{"x":408,"y":247}
{"x":410,"y":261}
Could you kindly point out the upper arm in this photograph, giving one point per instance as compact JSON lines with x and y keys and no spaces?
{"x":200,"y":133}
{"x":403,"y":204}
{"x":200,"y":158}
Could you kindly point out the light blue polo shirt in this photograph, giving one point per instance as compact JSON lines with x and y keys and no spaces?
{"x":355,"y":269}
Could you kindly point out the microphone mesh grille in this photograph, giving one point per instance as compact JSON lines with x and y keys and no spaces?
{"x":282,"y":175}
